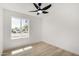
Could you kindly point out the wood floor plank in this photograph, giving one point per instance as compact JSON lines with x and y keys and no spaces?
{"x":44,"y":49}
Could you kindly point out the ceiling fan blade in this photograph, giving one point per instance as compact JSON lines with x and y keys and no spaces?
{"x":39,"y":4}
{"x":36,"y":5}
{"x":45,"y":12}
{"x":33,"y":11}
{"x":47,"y":7}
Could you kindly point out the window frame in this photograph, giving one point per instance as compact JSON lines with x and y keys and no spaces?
{"x":20,"y":18}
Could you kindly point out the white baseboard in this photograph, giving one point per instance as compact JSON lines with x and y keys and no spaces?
{"x":77,"y":53}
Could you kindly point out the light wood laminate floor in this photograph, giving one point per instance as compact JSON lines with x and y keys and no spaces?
{"x":42,"y":49}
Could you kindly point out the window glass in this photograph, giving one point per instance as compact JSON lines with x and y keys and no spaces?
{"x":19,"y":28}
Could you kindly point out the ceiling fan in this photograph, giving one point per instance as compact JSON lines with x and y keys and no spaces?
{"x":39,"y":9}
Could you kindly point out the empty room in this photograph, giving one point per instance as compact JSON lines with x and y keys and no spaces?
{"x":39,"y":29}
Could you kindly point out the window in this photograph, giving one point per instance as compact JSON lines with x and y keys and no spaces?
{"x":19,"y":28}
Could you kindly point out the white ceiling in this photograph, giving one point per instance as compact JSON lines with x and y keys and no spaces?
{"x":25,"y":8}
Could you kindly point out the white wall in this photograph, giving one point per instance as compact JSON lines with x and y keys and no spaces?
{"x":61,"y":28}
{"x":35,"y":25}
{"x":1,"y":30}
{"x":35,"y":31}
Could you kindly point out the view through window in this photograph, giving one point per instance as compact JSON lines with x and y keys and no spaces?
{"x":19,"y":28}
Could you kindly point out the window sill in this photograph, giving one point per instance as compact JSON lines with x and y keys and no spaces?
{"x":19,"y":38}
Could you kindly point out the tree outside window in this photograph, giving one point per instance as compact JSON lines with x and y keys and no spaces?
{"x":19,"y":28}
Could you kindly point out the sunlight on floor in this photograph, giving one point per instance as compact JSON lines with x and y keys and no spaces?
{"x":21,"y":50}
